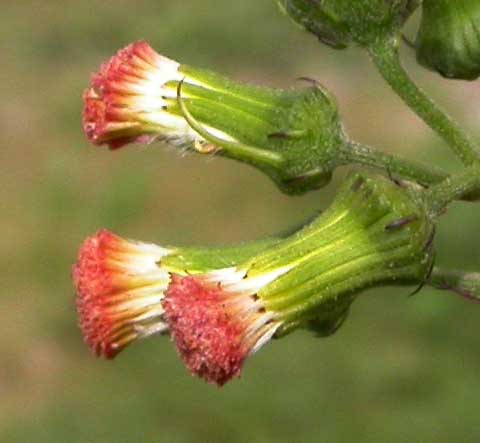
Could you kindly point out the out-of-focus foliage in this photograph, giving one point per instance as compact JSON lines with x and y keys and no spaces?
{"x":399,"y":370}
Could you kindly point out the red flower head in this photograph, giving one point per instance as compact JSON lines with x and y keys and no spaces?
{"x":129,"y":290}
{"x":120,"y":288}
{"x":217,"y":321}
{"x":127,"y":99}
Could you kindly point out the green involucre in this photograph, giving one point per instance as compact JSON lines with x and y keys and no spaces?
{"x":374,"y":233}
{"x":294,"y":136}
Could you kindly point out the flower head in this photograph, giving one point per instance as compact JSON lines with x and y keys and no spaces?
{"x":128,"y":290}
{"x":120,"y":288}
{"x":121,"y":285}
{"x":217,"y":321}
{"x":142,"y":96}
{"x":127,"y":99}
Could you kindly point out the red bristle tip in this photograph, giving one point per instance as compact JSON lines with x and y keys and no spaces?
{"x":209,"y":340}
{"x":96,"y":288}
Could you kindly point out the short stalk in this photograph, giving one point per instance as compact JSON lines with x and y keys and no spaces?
{"x":408,"y":169}
{"x":465,"y":284}
{"x":453,"y":188}
{"x":385,"y":55}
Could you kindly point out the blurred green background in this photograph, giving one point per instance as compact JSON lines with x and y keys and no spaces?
{"x":401,"y":369}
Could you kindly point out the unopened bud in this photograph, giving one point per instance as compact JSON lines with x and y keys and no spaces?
{"x":339,"y":23}
{"x":448,"y":41}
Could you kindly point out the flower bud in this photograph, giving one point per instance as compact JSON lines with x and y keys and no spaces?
{"x":341,"y":22}
{"x":449,"y":40}
{"x":140,"y":96}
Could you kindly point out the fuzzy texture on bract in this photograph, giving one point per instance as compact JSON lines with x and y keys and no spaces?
{"x":119,"y":291}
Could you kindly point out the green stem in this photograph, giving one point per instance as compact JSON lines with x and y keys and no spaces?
{"x":385,"y":55}
{"x":409,"y":169}
{"x":466,"y":284}
{"x":453,"y":188}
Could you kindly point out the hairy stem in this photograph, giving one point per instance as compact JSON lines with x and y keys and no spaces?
{"x":409,"y":169}
{"x":453,"y":188}
{"x":385,"y":55}
{"x":465,"y":284}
